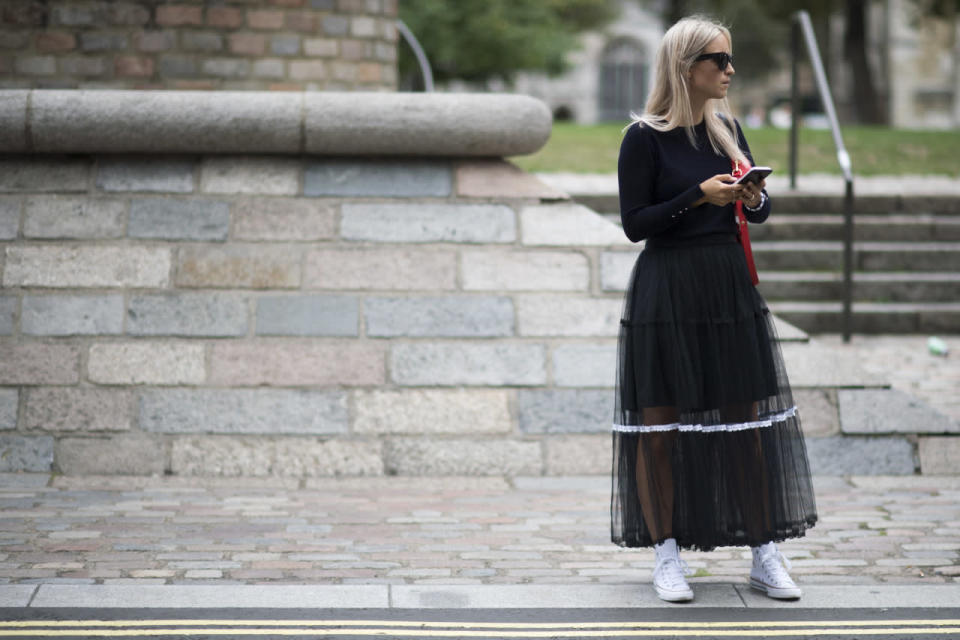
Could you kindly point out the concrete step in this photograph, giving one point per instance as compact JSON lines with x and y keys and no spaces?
{"x":821,"y":286}
{"x":867,"y":228}
{"x":868,"y":256}
{"x":871,"y":317}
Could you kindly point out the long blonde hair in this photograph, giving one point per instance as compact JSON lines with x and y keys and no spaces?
{"x":668,"y":106}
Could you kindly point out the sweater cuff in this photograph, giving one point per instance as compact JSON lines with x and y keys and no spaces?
{"x":686,"y":200}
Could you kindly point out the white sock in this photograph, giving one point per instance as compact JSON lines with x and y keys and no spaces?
{"x":667,"y":549}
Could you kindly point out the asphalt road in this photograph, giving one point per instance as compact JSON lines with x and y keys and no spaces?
{"x":669,"y":622}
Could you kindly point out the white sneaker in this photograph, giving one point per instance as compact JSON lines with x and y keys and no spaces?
{"x":769,"y":573}
{"x":668,"y":575}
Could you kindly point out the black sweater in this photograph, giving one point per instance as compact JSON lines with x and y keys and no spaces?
{"x":660,"y":175}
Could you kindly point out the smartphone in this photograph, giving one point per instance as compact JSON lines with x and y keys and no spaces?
{"x":754,"y":175}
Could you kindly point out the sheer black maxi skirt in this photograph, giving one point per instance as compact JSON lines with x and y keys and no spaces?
{"x":707,"y":446}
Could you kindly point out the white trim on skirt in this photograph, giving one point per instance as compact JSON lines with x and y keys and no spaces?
{"x":709,"y":428}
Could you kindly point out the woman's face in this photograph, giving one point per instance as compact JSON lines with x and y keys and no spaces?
{"x":707,"y":80}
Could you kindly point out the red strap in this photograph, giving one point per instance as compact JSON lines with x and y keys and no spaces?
{"x":743,"y":234}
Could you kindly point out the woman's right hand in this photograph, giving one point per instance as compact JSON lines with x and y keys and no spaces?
{"x":719,"y":190}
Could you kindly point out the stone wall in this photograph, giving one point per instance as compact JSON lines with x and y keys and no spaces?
{"x":200,"y":313}
{"x":197,"y":44}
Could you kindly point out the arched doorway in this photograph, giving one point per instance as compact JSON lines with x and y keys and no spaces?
{"x":623,"y":79}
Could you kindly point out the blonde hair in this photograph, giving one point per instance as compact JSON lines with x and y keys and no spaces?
{"x":668,"y":106}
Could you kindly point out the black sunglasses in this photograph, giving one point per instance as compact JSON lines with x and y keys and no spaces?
{"x":722,"y":58}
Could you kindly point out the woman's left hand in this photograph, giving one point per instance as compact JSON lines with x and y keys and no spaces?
{"x":750,"y":194}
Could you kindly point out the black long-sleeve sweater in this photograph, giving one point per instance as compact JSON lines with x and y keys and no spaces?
{"x":660,"y":175}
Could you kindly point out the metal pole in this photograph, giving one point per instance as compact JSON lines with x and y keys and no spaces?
{"x":794,"y":100}
{"x":848,"y":262}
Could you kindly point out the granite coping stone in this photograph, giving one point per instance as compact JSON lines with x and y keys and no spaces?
{"x":263,"y":122}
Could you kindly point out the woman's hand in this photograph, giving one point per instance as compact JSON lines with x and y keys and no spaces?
{"x":750,"y":193}
{"x":719,"y":190}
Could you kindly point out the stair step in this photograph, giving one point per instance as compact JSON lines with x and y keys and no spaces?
{"x":872,"y":317}
{"x":868,"y":256}
{"x":874,"y":286}
{"x":867,"y":228}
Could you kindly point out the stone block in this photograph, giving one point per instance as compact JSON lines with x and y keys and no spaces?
{"x":615,"y":269}
{"x":13,"y":117}
{"x":308,"y":70}
{"x":161,"y":363}
{"x":565,"y":410}
{"x":453,"y":316}
{"x":585,"y":365}
{"x":8,"y":314}
{"x":818,"y":411}
{"x":428,"y":411}
{"x":201,"y":41}
{"x":37,"y":174}
{"x":74,"y":217}
{"x":85,"y":66}
{"x":334,"y":25}
{"x":30,"y":363}
{"x":468,"y":363}
{"x":72,"y":315}
{"x":10,"y":218}
{"x":131,"y":454}
{"x":568,"y":316}
{"x":9,"y":401}
{"x":243,"y":411}
{"x":413,"y":457}
{"x":101,"y":41}
{"x":226,"y":67}
{"x":70,"y":266}
{"x":818,"y":366}
{"x":578,"y":455}
{"x":35,"y":65}
{"x":270,"y":68}
{"x":857,"y":455}
{"x":380,"y":269}
{"x":237,"y":266}
{"x":875,"y":411}
{"x":310,"y":458}
{"x":385,"y":178}
{"x":500,"y":179}
{"x":221,"y":456}
{"x":78,"y":409}
{"x":940,"y":455}
{"x":26,"y":453}
{"x":169,"y":219}
{"x":289,"y":363}
{"x":187,"y":314}
{"x":145,"y":174}
{"x":285,"y":45}
{"x":250,"y":175}
{"x":506,"y":270}
{"x":428,"y":223}
{"x":283,"y":219}
{"x":308,"y":316}
{"x":568,"y":224}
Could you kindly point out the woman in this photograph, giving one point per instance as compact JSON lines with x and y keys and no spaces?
{"x":707,"y":444}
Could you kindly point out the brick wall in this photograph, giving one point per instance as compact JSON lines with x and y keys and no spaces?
{"x":302,"y":315}
{"x":192,"y":44}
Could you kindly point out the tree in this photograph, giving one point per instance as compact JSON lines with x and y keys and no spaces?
{"x":478,"y":40}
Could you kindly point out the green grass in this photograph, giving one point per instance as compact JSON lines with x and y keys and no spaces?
{"x":873,"y":150}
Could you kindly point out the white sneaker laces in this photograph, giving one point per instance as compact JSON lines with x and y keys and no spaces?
{"x":670,"y":573}
{"x":775,"y":565}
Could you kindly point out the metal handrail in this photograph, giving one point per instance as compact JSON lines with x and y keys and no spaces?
{"x":419,"y":53}
{"x":802,"y":26}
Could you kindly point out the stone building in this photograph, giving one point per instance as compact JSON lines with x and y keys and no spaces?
{"x":198,"y":44}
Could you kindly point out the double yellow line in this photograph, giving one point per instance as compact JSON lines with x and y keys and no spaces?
{"x":423,"y":629}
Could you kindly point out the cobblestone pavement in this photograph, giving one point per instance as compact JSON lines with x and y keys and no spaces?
{"x":393,"y":530}
{"x":907,"y":365}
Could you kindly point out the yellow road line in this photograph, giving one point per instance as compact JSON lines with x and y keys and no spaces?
{"x":462,"y":634}
{"x":480,"y":625}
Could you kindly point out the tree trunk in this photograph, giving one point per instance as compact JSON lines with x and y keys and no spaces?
{"x":866,"y":100}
